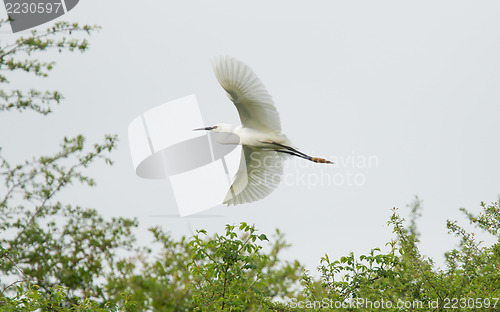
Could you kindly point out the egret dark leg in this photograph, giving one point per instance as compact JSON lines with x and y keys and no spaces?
{"x":290,"y":148}
{"x":294,"y":152}
{"x":301,"y":155}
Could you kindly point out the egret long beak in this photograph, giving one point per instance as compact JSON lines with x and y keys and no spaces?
{"x":206,"y":128}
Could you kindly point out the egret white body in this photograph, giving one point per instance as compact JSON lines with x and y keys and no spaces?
{"x":257,"y":138}
{"x":264,"y":147}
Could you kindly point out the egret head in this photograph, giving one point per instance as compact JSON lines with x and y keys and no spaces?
{"x":218,"y":128}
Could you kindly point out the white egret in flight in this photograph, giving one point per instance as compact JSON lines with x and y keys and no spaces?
{"x":264,"y":147}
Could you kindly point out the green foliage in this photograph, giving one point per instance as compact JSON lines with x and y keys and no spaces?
{"x":30,"y":298}
{"x":52,"y":254}
{"x":52,"y":243}
{"x":224,"y":272}
{"x":407,"y":281}
{"x":19,"y":56}
{"x":224,"y":268}
{"x":231,"y":273}
{"x":156,"y":282}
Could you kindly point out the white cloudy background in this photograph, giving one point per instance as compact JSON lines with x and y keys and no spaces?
{"x":414,"y":85}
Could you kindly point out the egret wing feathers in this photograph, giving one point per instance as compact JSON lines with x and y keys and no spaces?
{"x":258,"y":175}
{"x":254,"y":104}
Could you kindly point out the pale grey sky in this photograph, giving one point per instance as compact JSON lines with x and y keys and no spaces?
{"x":414,"y":86}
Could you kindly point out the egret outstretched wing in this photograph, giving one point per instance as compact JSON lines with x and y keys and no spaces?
{"x":258,"y":175}
{"x":255,"y":105}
